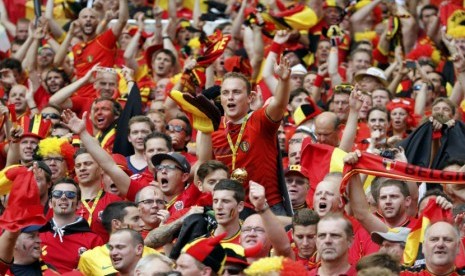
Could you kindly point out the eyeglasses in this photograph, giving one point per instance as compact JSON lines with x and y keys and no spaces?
{"x":150,"y":202}
{"x":418,"y":87}
{"x":56,"y":159}
{"x":59,"y":194}
{"x":174,"y":128}
{"x":255,"y":229}
{"x":50,"y":116}
{"x":168,"y":167}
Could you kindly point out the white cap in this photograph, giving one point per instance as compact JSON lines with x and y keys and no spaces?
{"x":298,"y":69}
{"x":374,"y":72}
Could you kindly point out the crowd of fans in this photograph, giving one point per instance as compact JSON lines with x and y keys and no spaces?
{"x":191,"y":137}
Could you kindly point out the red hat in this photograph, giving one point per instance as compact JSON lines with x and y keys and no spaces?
{"x":208,"y":251}
{"x":24,"y":207}
{"x":236,"y":254}
{"x":306,"y":112}
{"x":149,"y":53}
{"x":36,"y":127}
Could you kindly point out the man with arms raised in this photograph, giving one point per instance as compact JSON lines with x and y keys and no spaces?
{"x":95,"y":48}
{"x":93,"y":198}
{"x":243,"y":138}
{"x":128,"y":187}
{"x":264,"y":227}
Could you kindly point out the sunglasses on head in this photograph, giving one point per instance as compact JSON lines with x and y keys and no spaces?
{"x":50,"y":116}
{"x":59,"y":194}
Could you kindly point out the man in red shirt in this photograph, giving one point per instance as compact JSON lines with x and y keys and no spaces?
{"x":65,"y":237}
{"x":172,"y":174}
{"x":93,"y":198}
{"x":96,"y":48}
{"x":248,"y":140}
{"x":333,"y":239}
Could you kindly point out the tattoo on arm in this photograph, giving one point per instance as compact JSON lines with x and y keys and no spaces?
{"x":162,"y":235}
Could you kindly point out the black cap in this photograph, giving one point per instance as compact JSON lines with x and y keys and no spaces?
{"x":176,"y":157}
{"x":43,"y":166}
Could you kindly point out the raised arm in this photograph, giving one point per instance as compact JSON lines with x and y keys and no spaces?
{"x":275,"y":110}
{"x":64,"y":46}
{"x":358,"y":201}
{"x":350,"y":131}
{"x":357,"y":18}
{"x":130,"y":54}
{"x":279,"y":39}
{"x":123,"y":16}
{"x":5,"y":20}
{"x":55,"y":28}
{"x":271,"y":223}
{"x":105,"y":161}
{"x":62,"y":96}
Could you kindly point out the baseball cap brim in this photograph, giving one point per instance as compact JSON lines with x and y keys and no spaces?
{"x":158,"y":158}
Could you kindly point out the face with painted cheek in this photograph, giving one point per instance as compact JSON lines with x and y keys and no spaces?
{"x":64,"y":206}
{"x":226,"y":207}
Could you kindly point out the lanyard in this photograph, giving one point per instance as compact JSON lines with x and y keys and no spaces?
{"x":91,"y":210}
{"x":235,"y":147}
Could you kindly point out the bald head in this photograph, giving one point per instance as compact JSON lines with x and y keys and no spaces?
{"x":326,"y":129}
{"x":327,"y":197}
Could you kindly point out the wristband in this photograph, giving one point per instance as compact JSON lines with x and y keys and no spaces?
{"x":266,"y":207}
{"x":276,"y":47}
{"x":318,"y":81}
{"x":167,"y":37}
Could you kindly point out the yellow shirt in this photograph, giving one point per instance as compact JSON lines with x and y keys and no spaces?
{"x":97,"y":262}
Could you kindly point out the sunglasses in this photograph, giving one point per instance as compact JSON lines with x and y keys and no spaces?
{"x":50,"y":116}
{"x":174,"y":128}
{"x":59,"y":194}
{"x":418,"y":87}
{"x":168,"y":167}
{"x":343,"y":88}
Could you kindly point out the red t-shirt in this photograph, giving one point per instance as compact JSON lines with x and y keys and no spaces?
{"x":138,"y":181}
{"x":101,"y":49}
{"x":187,"y":198}
{"x":41,"y":97}
{"x":96,"y":225}
{"x":257,"y":152}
